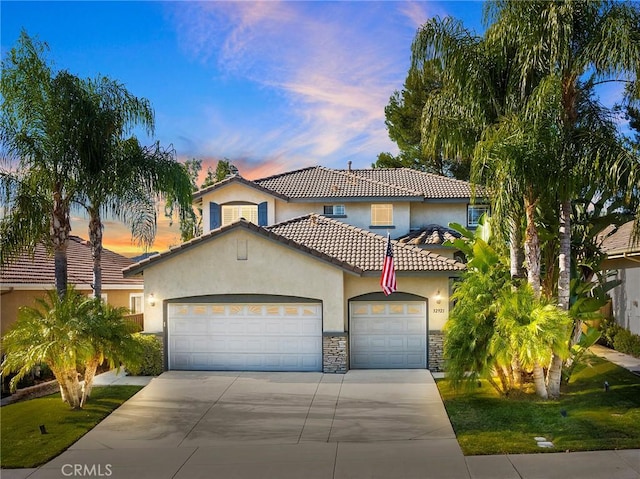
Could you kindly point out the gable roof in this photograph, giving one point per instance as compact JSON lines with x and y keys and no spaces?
{"x":433,"y":235}
{"x":353,"y":249}
{"x":318,"y":182}
{"x":619,"y":241}
{"x":40,"y":269}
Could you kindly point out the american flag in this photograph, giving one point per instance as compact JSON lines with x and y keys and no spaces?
{"x":388,"y":278}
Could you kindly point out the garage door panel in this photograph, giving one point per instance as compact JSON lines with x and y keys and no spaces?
{"x":388,"y":335}
{"x":275,"y":337}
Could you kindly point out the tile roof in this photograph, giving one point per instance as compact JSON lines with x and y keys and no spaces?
{"x":429,"y":185}
{"x":318,"y":182}
{"x":39,"y":269}
{"x":348,"y":247}
{"x":321,"y":182}
{"x":433,"y":235}
{"x":358,"y":247}
{"x":619,"y":240}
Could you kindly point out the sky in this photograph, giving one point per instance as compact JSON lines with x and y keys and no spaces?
{"x":272,"y":86}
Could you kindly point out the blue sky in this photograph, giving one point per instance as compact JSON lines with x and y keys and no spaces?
{"x":272,"y":86}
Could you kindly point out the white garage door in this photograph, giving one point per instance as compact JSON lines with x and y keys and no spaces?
{"x":245,"y":337}
{"x":388,"y":335}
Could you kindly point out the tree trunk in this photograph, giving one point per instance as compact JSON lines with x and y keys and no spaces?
{"x":516,"y":251}
{"x":532,"y":248}
{"x":95,"y":238}
{"x":59,"y":230}
{"x":89,"y":373}
{"x":564,"y":258}
{"x":69,"y":386}
{"x":538,"y":381}
{"x":554,"y":374}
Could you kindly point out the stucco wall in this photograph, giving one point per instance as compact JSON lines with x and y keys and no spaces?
{"x":423,"y":214}
{"x":626,"y":299}
{"x":271,"y":268}
{"x":357,"y":214}
{"x":11,"y":301}
{"x":422,"y":286}
{"x":236,"y":192}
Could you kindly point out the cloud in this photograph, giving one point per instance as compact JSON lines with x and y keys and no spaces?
{"x":332,"y":66}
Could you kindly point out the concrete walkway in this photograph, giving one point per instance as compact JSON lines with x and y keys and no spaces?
{"x":365,"y":424}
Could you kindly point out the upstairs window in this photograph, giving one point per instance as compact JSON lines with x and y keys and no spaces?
{"x":474,"y":212}
{"x":381,"y":215}
{"x":232,"y":213}
{"x":334,"y":210}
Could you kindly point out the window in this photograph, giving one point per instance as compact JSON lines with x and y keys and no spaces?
{"x":334,"y":210}
{"x":232,"y":213}
{"x":381,"y":215}
{"x":474,"y":212}
{"x":136,"y":303}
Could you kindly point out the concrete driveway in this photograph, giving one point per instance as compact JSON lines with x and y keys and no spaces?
{"x":274,"y":425}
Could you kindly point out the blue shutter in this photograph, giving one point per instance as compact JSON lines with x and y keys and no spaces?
{"x":263,"y":219}
{"x":214,"y":216}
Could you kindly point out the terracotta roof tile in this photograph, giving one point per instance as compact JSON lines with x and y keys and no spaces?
{"x":619,"y":240}
{"x":433,"y":235}
{"x":321,"y":182}
{"x":358,"y":247}
{"x":39,"y":269}
{"x":351,"y":248}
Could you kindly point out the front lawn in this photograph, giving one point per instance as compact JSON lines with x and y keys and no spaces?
{"x":23,"y":445}
{"x":585,"y":418}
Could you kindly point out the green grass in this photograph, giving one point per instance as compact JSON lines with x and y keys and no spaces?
{"x":22,"y":444}
{"x":486,"y":423}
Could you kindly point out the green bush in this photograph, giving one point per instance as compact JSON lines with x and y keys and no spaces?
{"x":627,"y":342}
{"x":151,"y":363}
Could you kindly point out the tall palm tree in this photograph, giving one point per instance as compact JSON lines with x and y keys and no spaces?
{"x":575,"y":45}
{"x":120,"y":177}
{"x":40,"y":137}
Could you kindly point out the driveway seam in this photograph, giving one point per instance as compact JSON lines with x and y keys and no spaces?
{"x":185,"y":461}
{"x":304,"y":424}
{"x":335,"y":410}
{"x":208,"y":409}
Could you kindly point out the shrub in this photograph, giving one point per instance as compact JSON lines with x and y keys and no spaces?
{"x":151,"y":364}
{"x":627,"y":342}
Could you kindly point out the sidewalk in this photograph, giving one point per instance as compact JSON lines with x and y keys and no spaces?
{"x":621,"y":359}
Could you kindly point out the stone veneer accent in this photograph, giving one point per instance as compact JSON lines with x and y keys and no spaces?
{"x":335,"y":352}
{"x":436,"y":356}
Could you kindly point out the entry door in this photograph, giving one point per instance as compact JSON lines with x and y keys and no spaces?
{"x":388,"y":334}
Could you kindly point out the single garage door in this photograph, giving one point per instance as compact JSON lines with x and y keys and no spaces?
{"x":388,"y":335}
{"x":245,"y":337}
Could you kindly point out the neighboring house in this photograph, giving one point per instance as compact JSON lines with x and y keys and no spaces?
{"x":28,"y":277}
{"x":624,"y":256}
{"x":286,"y":275}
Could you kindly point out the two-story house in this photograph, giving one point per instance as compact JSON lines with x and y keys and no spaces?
{"x":286,"y":274}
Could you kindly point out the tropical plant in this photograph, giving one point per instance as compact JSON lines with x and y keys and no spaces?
{"x":51,"y":332}
{"x":110,"y":338}
{"x":40,"y":137}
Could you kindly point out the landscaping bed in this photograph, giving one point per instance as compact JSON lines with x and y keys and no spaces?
{"x":22,"y":443}
{"x":587,"y":417}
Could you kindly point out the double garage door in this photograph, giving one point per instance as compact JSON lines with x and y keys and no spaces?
{"x":245,"y":336}
{"x":288,"y":336}
{"x":388,"y":334}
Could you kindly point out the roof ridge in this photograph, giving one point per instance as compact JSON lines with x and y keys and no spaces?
{"x":426,"y":173}
{"x":348,"y":173}
{"x":285,"y":173}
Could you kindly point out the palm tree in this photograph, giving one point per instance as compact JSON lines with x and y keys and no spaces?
{"x":39,"y":133}
{"x":120,"y":177}
{"x":575,"y":45}
{"x":110,"y":338}
{"x":51,"y":332}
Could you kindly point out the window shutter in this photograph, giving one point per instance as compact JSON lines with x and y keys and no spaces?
{"x":214,"y":216}
{"x":263,"y":219}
